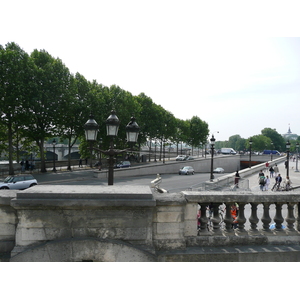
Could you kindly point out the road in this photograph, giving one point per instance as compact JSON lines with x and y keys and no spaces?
{"x":170,"y":182}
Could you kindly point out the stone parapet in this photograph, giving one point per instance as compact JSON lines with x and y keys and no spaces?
{"x":133,"y":223}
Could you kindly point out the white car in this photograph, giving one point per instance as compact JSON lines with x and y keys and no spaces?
{"x":219,"y":170}
{"x":187,"y":170}
{"x":18,"y":182}
{"x":180,"y":157}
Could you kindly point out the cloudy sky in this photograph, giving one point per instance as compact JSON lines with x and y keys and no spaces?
{"x":235,"y":66}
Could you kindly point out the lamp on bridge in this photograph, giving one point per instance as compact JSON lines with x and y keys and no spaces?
{"x":54,"y":144}
{"x":272,"y":146}
{"x":112,"y":127}
{"x":288,"y":146}
{"x":91,"y":130}
{"x":250,"y":143}
{"x":297,"y":151}
{"x":212,"y":144}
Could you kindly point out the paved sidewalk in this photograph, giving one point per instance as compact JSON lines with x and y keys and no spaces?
{"x":294,"y":176}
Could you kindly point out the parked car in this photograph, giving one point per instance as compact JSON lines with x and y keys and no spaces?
{"x":219,"y":170}
{"x":186,"y":171}
{"x":180,"y":157}
{"x":124,"y":164}
{"x":18,"y":182}
{"x":189,"y":158}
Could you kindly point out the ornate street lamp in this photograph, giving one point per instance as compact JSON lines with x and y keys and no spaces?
{"x":212,"y":144}
{"x":54,"y":144}
{"x":112,"y":127}
{"x":250,"y":143}
{"x":288,"y":146}
{"x":297,"y":150}
{"x":91,"y":130}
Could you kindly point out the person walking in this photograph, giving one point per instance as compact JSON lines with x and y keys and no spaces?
{"x":267,"y":183}
{"x":278,"y":180}
{"x":271,"y":172}
{"x":262,"y":181}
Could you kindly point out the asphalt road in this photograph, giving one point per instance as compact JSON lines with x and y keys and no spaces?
{"x":170,"y":182}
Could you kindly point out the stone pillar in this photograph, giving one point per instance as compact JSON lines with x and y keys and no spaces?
{"x":253,"y":218}
{"x":8,"y":222}
{"x":278,"y":217}
{"x":266,"y":219}
{"x":216,"y":219}
{"x":228,"y":220}
{"x":290,"y":219}
{"x":241,"y":219}
{"x":203,"y":220}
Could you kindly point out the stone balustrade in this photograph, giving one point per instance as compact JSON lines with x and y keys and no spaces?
{"x":133,"y":223}
{"x":253,"y":228}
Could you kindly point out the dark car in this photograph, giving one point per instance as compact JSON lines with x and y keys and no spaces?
{"x":187,"y":170}
{"x":18,"y":182}
{"x":124,"y":164}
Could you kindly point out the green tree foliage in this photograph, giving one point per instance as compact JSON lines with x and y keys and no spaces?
{"x":15,"y":72}
{"x":259,"y":143}
{"x":40,"y":99}
{"x":49,"y":90}
{"x":198,"y":131}
{"x":276,"y":138}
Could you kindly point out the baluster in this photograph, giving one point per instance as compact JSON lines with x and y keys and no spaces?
{"x":228,"y":219}
{"x":203,"y":218}
{"x":253,"y":218}
{"x":278,"y":217}
{"x":298,"y":217}
{"x":241,"y":218}
{"x":216,"y":218}
{"x":266,"y":219}
{"x":290,"y":219}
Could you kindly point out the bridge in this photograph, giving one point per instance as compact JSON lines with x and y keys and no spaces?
{"x":137,"y":223}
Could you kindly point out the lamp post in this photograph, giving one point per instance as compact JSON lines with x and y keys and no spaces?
{"x":288,"y":146}
{"x":112,"y":127}
{"x":212,"y":143}
{"x":250,"y":143}
{"x":272,"y":147}
{"x":91,"y":130}
{"x":297,"y":151}
{"x":54,"y":144}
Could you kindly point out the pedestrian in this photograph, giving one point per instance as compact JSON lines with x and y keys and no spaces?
{"x":267,"y":166}
{"x":234,"y":213}
{"x":80,"y":163}
{"x":26,"y":165}
{"x":262,"y":181}
{"x":236,"y":179}
{"x":267,"y":183}
{"x":271,"y":172}
{"x":276,"y":170}
{"x":278,"y":180}
{"x":288,"y":183}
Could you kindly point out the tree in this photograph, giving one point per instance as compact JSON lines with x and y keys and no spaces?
{"x":198,"y":132}
{"x":48,"y":92}
{"x":259,"y":143}
{"x":276,"y":138}
{"x":14,"y":76}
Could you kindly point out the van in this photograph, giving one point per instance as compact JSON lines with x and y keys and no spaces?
{"x":228,"y":151}
{"x":275,"y":152}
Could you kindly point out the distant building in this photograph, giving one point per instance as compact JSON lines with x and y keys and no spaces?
{"x":289,"y":135}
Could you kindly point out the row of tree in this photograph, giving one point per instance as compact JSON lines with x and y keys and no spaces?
{"x":41,"y":99}
{"x":269,"y":139}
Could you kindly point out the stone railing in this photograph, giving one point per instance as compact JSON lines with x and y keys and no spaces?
{"x":133,"y":223}
{"x":271,"y":218}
